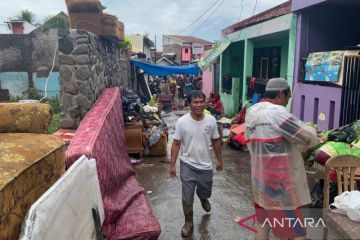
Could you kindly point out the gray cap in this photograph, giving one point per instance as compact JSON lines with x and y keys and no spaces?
{"x":277,"y":84}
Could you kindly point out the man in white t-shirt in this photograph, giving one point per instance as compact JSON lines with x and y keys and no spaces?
{"x":193,"y":134}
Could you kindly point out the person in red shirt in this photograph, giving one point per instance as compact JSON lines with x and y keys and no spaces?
{"x":218,"y":111}
{"x":218,"y":108}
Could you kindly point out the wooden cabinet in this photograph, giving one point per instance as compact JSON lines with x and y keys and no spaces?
{"x":133,"y":137}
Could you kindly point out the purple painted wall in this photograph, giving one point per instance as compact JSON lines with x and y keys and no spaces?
{"x":323,"y":28}
{"x":310,"y":106}
{"x":301,"y":4}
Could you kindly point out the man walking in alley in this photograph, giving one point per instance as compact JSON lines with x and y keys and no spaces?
{"x":275,"y":138}
{"x":193,"y":134}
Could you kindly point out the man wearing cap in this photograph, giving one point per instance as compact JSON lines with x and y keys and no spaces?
{"x":275,"y":138}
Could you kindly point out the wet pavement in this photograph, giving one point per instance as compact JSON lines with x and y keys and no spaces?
{"x":231,"y":196}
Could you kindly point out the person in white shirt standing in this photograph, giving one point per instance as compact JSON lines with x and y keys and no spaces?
{"x":193,"y":134}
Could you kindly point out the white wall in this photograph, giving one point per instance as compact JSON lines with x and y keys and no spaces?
{"x":4,"y":29}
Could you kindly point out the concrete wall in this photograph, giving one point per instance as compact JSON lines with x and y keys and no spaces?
{"x":312,"y":106}
{"x":232,"y":64}
{"x":17,"y":83}
{"x":323,"y":28}
{"x":137,"y":42}
{"x":301,"y":4}
{"x":88,"y":65}
{"x":28,"y":53}
{"x":174,"y":48}
{"x":27,"y":57}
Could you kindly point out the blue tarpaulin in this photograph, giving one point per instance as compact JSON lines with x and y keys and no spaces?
{"x":166,"y":70}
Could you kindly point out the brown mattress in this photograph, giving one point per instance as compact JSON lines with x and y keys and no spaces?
{"x":29,"y":165}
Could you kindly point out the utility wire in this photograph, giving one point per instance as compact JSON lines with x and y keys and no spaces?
{"x":197,"y":19}
{"x":241,"y":10}
{"x":107,"y":4}
{"x":212,"y":13}
{"x":256,"y":3}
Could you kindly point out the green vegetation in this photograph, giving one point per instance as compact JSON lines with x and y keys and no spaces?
{"x":33,"y":93}
{"x":125,"y":44}
{"x":27,"y":15}
{"x":54,"y":103}
{"x":58,"y":21}
{"x":54,"y":124}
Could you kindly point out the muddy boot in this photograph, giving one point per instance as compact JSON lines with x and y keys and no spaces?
{"x":205,"y":204}
{"x":188,"y":227}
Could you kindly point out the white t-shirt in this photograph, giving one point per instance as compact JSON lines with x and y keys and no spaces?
{"x":195,"y":137}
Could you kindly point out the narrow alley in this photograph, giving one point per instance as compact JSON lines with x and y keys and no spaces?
{"x":264,"y":96}
{"x":231,"y":198}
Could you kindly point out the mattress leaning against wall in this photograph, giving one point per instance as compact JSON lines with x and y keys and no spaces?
{"x":65,"y":210}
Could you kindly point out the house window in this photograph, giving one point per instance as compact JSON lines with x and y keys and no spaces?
{"x":226,"y":84}
{"x":267,"y":62}
{"x":186,"y":50}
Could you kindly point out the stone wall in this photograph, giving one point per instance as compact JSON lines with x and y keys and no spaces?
{"x":88,"y":65}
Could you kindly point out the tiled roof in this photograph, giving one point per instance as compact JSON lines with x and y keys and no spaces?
{"x":189,"y":39}
{"x":274,"y":12}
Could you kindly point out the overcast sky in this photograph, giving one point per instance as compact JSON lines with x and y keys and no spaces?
{"x":157,"y":16}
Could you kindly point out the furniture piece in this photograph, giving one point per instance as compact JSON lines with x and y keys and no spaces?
{"x":65,"y":134}
{"x":101,"y":136}
{"x":65,"y":210}
{"x":133,"y":137}
{"x":30,"y":161}
{"x":88,"y":15}
{"x":160,"y":148}
{"x":345,"y":167}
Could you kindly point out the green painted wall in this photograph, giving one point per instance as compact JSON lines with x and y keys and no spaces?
{"x":248,"y":59}
{"x":232,"y":64}
{"x":276,"y":32}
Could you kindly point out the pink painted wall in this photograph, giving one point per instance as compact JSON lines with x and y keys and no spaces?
{"x":208,"y":80}
{"x":186,"y":56}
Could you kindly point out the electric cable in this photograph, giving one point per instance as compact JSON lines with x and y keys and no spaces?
{"x":51,"y":70}
{"x":256,"y":3}
{"x":212,"y":13}
{"x":197,"y":19}
{"x":241,"y":10}
{"x":107,"y":4}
